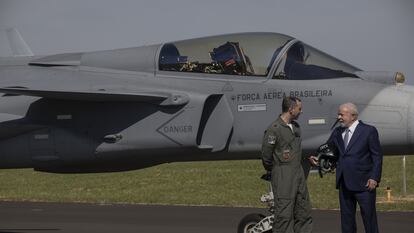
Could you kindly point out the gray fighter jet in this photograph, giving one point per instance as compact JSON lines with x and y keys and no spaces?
{"x":200,"y":99}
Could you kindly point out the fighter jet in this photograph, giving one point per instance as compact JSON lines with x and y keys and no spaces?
{"x":200,"y":99}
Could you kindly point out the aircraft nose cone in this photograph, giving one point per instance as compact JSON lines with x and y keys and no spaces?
{"x":391,"y":111}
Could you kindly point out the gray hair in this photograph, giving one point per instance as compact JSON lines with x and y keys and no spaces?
{"x":351,"y":107}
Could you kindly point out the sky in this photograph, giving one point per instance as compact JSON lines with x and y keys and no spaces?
{"x":374,"y":35}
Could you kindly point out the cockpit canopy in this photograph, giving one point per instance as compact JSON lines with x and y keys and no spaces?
{"x":252,"y":54}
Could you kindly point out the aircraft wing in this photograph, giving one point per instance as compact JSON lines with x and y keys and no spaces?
{"x":159,"y":98}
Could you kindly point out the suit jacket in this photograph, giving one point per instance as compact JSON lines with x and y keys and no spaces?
{"x":361,"y":160}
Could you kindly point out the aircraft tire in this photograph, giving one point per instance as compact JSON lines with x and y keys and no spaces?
{"x":248,"y":222}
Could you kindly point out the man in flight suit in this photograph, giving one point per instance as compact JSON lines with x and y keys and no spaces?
{"x":282,"y":156}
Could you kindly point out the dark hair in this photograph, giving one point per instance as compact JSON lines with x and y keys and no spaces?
{"x":289,"y":102}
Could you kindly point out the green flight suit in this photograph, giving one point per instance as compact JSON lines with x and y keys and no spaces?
{"x":282,"y":155}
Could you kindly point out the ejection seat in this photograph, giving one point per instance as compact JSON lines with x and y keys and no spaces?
{"x":170,"y":58}
{"x":230,"y":58}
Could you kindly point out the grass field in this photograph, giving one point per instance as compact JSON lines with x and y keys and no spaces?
{"x":222,"y":183}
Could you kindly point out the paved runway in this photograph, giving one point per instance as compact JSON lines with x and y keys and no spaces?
{"x":26,"y":217}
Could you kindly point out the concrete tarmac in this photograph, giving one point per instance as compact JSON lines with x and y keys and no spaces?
{"x":29,"y":217}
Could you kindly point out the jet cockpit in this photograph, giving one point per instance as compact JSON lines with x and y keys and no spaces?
{"x":271,"y":55}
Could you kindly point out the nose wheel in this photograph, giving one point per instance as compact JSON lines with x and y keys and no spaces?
{"x":247,"y":223}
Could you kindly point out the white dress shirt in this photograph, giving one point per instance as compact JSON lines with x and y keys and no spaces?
{"x":351,"y":131}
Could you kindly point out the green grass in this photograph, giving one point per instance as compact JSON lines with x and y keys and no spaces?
{"x":325,"y":196}
{"x":222,"y":183}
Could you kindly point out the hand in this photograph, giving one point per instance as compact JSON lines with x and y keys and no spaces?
{"x":313,"y":160}
{"x":267,"y":176}
{"x":371,"y":184}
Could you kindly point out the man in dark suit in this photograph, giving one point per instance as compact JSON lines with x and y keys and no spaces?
{"x":358,"y":170}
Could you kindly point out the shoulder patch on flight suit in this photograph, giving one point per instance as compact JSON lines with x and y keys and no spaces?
{"x":271,"y":139}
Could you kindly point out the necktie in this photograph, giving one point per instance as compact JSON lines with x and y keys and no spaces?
{"x":346,"y":138}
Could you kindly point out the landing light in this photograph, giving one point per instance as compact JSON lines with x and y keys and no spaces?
{"x":399,"y":78}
